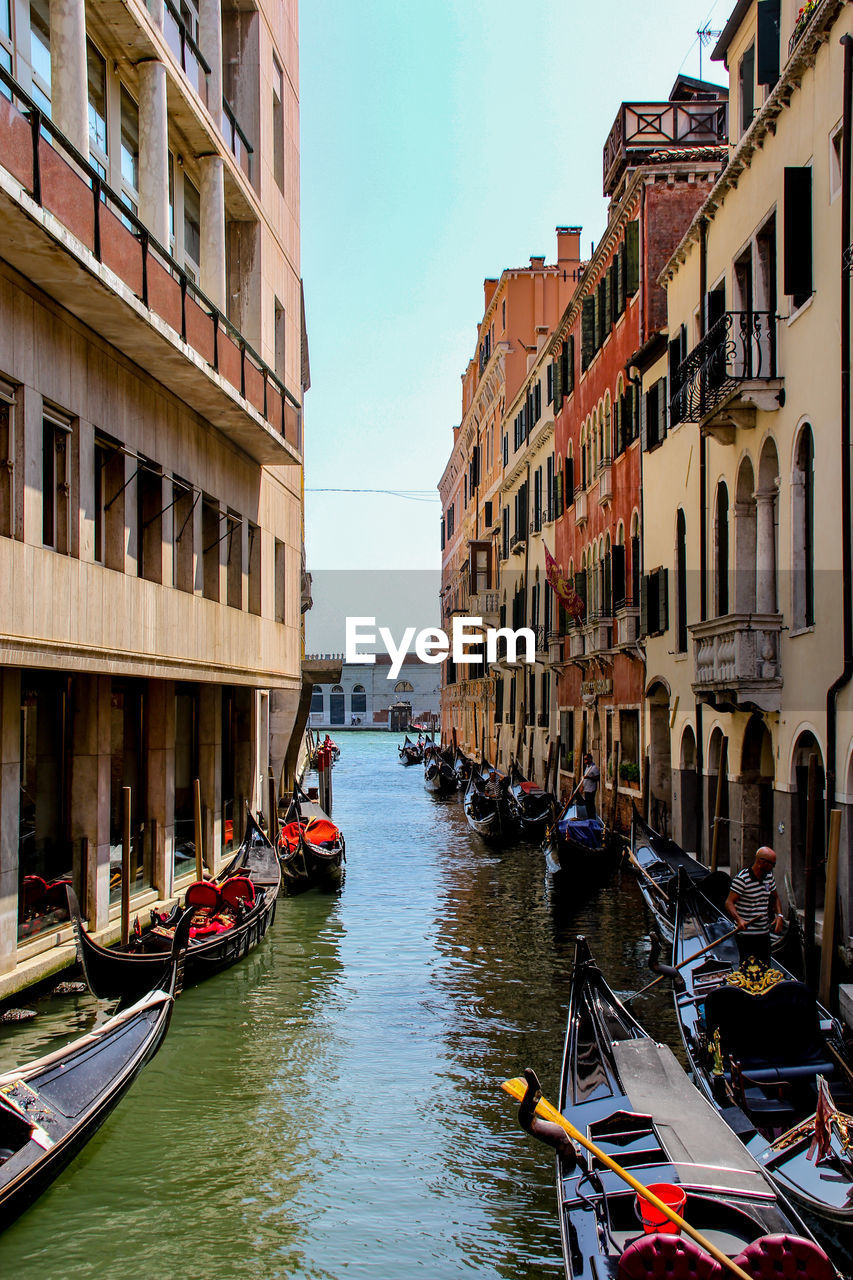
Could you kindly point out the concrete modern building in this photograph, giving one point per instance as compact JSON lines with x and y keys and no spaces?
{"x":749,"y":666}
{"x":362,"y":696}
{"x":152,"y":365}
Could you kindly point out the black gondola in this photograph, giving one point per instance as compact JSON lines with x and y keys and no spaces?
{"x":311,"y":848}
{"x":758,"y":1043}
{"x":463,"y":766}
{"x":230,"y":916}
{"x":50,"y":1108}
{"x":411,"y":752}
{"x":486,"y":807}
{"x":581,"y":845}
{"x":532,"y":808}
{"x":657,"y":861}
{"x":440,"y":777}
{"x":632,"y":1099}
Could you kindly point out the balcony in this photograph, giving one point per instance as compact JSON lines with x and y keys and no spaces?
{"x":517,"y":543}
{"x":737,"y":661}
{"x":239,"y":144}
{"x":729,"y":375}
{"x":69,"y":233}
{"x":555,"y":647}
{"x":801,"y":26}
{"x":187,"y":53}
{"x":605,"y":482}
{"x":577,"y":644}
{"x":581,"y":514}
{"x":599,"y":635}
{"x":627,"y":625}
{"x":485,"y":605}
{"x":643,"y":127}
{"x":541,"y":643}
{"x":540,"y":519}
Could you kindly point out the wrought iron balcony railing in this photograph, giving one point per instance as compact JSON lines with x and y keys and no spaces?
{"x":739,"y":347}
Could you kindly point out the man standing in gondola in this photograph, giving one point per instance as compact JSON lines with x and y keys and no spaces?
{"x":589,"y":784}
{"x":753,"y":903}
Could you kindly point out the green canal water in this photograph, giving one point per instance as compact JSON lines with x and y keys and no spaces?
{"x":331,"y":1107}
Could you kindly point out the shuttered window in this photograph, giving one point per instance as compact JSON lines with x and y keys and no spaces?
{"x":618,"y":561}
{"x":557,"y":375}
{"x":767,"y":58}
{"x":798,"y":234}
{"x":570,"y":481}
{"x":587,"y":332}
{"x":632,"y":258}
{"x":569,"y":364}
{"x":654,"y":603}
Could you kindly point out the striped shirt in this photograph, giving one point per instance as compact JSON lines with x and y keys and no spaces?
{"x":753,"y":899}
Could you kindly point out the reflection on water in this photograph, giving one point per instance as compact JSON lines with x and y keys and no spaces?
{"x":331,"y":1107}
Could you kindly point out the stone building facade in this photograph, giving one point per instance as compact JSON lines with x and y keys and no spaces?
{"x":152,"y":365}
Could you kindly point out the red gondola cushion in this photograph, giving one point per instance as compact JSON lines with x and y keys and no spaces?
{"x":289,"y":837}
{"x":669,"y":1257}
{"x":322,"y":831}
{"x":782,"y":1257}
{"x":237,"y":891}
{"x":202,"y":894}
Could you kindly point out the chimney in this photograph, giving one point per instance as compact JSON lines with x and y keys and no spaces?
{"x":489,"y":287}
{"x":568,"y":247}
{"x":538,"y":264}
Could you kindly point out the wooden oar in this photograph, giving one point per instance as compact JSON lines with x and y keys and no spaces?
{"x":518,"y":1087}
{"x":654,"y":982}
{"x":643,"y":872}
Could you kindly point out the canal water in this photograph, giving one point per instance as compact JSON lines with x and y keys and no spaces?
{"x":331,"y":1107}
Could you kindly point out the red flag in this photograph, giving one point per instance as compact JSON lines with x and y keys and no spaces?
{"x":821,"y":1143}
{"x":563,"y":589}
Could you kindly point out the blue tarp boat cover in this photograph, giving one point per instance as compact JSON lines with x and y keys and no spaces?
{"x":587,"y":831}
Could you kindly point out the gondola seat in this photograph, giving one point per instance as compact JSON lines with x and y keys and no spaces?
{"x":669,"y":1257}
{"x":782,"y":1257}
{"x":238,"y":891}
{"x":211,"y":914}
{"x":774,"y":1037}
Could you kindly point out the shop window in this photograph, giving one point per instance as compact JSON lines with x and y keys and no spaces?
{"x":128,"y":729}
{"x":48,"y":860}
{"x":186,"y":772}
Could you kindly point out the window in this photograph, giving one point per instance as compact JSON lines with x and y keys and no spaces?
{"x":767,"y":59}
{"x":654,"y":603}
{"x":403,"y":686}
{"x":277,"y":124}
{"x":234,"y":557}
{"x":186,"y":771}
{"x":149,"y":522}
{"x":254,"y":569}
{"x":681,"y":582}
{"x":183,"y":509}
{"x":280,"y":581}
{"x":278,"y":335}
{"x":7,"y":463}
{"x":97,"y":78}
{"x":40,"y":52}
{"x":746,"y":88}
{"x":56,"y":486}
{"x":836,"y":140}
{"x":798,"y":234}
{"x":128,"y":731}
{"x":721,"y":576}
{"x":5,"y":41}
{"x":192,"y":230}
{"x":629,"y":737}
{"x":129,"y":151}
{"x":802,"y":500}
{"x":317,"y":700}
{"x":358,"y":701}
{"x":210,"y":541}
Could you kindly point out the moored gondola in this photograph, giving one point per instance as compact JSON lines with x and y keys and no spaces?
{"x":580,"y":845}
{"x":657,"y":861}
{"x":230,"y":916}
{"x":440,"y":777}
{"x":532,"y":808}
{"x":311,"y":847}
{"x":769,"y":1056}
{"x":464,"y":767}
{"x":486,"y":808}
{"x":50,"y":1108}
{"x":631,"y":1100}
{"x":411,"y":752}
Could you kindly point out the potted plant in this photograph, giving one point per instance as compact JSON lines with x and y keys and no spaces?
{"x":630,"y":772}
{"x":804,"y":17}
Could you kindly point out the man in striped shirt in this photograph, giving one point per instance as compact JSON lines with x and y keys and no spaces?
{"x":753,"y":903}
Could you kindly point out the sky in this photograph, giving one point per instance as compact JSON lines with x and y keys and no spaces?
{"x":442,"y":141}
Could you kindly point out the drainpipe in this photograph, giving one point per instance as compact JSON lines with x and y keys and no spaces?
{"x":703,"y":530}
{"x":846,"y":557}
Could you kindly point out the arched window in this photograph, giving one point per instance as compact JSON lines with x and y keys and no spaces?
{"x":607,"y":580}
{"x":358,"y":701}
{"x":721,"y":550}
{"x":317,"y":699}
{"x":403,"y":686}
{"x":745,"y":538}
{"x":336,"y":705}
{"x":609,"y":442}
{"x":802,"y":519}
{"x":681,"y":581}
{"x":583,"y":458}
{"x":635,"y":560}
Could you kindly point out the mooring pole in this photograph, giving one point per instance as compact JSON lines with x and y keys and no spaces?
{"x":125,"y":869}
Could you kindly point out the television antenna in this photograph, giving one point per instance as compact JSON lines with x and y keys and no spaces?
{"x":705,"y":35}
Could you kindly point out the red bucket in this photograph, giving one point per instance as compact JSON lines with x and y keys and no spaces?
{"x":650,"y":1215}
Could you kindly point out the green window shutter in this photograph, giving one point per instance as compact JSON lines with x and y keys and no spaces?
{"x":662,"y":409}
{"x":632,"y":256}
{"x":564,"y":365}
{"x":767,"y":60}
{"x":663,"y":599}
{"x":797,"y":231}
{"x":608,"y":300}
{"x":596,"y":318}
{"x":558,"y":386}
{"x":570,"y":364}
{"x":619,"y":282}
{"x":644,"y":605}
{"x":558,"y":498}
{"x":587,"y":331}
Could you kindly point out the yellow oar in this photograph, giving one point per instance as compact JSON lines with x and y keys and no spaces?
{"x":518,"y":1087}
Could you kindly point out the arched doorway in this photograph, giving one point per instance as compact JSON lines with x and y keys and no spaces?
{"x":756,"y":776}
{"x":805,"y":747}
{"x":688,"y":834}
{"x":660,"y":759}
{"x":715,"y":772}
{"x":336,"y":705}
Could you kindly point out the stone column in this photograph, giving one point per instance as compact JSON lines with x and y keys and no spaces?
{"x":154,"y":151}
{"x":161,"y":780}
{"x":765,"y":556}
{"x":10,"y":800}
{"x":210,"y":43}
{"x":210,"y":769}
{"x":157,"y":9}
{"x":91,"y":763}
{"x":69,"y":81}
{"x":213,"y":229}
